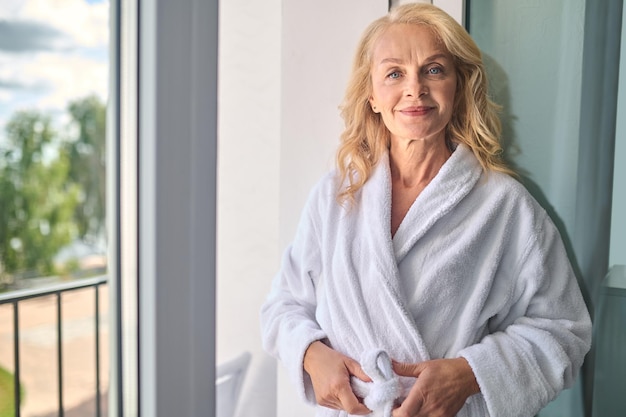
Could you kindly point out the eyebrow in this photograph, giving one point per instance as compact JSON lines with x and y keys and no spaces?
{"x":399,"y":61}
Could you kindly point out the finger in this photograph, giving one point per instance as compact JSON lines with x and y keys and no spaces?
{"x":334,"y":404}
{"x":412,"y":404}
{"x":408,"y":369}
{"x":333,"y":401}
{"x":396,"y":411}
{"x":351,"y":404}
{"x":355,"y":369}
{"x":402,"y":411}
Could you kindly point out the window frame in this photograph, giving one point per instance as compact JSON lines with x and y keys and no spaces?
{"x":162,"y":148}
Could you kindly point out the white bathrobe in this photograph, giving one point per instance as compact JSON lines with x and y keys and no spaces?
{"x":476,"y":270}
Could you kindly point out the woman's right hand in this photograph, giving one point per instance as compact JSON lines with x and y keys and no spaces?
{"x":330,"y":373}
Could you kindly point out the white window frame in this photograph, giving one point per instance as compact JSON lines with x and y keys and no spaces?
{"x":162,"y":154}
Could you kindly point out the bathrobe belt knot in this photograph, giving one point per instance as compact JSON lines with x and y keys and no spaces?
{"x":380,"y":394}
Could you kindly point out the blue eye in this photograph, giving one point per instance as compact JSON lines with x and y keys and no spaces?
{"x":394,"y":75}
{"x":435,"y":71}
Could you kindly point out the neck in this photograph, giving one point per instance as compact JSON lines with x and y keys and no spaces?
{"x":416,"y":163}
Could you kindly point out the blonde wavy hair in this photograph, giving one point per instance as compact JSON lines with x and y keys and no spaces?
{"x":474,"y":119}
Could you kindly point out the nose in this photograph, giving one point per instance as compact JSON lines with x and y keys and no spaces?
{"x":415,"y":86}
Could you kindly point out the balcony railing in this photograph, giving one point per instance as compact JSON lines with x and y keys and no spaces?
{"x":16,"y":297}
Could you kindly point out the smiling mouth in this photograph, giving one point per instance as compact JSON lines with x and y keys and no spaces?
{"x":416,"y":110}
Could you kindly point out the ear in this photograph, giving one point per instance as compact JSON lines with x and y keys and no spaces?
{"x":373,"y":104}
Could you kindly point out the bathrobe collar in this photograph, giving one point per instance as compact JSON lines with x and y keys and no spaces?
{"x":379,"y":272}
{"x":453,"y":182}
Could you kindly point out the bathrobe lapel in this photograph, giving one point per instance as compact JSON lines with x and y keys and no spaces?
{"x":378,"y":275}
{"x":455,"y":180}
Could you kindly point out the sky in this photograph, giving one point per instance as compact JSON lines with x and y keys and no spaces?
{"x":51,"y":52}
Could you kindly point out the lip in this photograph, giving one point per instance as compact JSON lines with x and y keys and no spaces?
{"x":416,"y":110}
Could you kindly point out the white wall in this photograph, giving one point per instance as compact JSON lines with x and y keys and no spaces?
{"x":248,"y":186}
{"x":319,"y":39}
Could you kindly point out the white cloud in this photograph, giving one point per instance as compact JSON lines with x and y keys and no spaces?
{"x":10,"y":8}
{"x":86,"y":23}
{"x":67,"y":77}
{"x":13,"y":77}
{"x":48,"y":80}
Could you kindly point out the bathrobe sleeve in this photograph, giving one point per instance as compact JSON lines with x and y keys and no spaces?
{"x":538,"y":343}
{"x":288,"y":324}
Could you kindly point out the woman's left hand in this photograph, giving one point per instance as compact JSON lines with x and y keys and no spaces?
{"x":441,"y":388}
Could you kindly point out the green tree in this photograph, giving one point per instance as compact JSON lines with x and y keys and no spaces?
{"x":36,"y":200}
{"x":86,"y":149}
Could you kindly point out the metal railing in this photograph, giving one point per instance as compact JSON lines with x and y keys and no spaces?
{"x":15,"y":297}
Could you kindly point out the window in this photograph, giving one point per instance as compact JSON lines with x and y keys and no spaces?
{"x":53,"y":240}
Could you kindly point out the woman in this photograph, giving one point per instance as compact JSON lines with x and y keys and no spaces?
{"x":422,"y":248}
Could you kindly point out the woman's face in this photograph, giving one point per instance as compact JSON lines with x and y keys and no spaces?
{"x":413,"y":83}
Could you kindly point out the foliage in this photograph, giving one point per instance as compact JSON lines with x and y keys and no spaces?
{"x":52,"y":187}
{"x":36,"y":201}
{"x":87,"y":157}
{"x":7,"y":397}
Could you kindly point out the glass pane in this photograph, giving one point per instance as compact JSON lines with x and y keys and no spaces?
{"x":558,"y":92}
{"x":533,"y":54}
{"x":54,"y":63}
{"x":53,"y":85}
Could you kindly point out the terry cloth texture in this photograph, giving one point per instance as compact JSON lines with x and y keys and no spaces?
{"x":476,"y":269}
{"x":381,"y":394}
